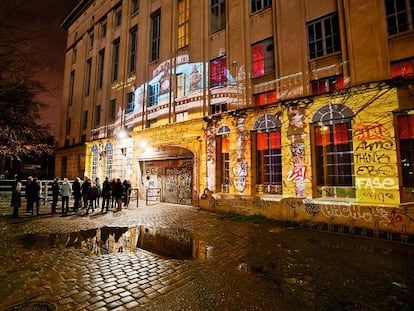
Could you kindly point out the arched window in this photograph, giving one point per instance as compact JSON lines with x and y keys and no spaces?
{"x":109,"y":159}
{"x":333,"y":152}
{"x":95,"y":157}
{"x":223,"y":159}
{"x":267,"y":157}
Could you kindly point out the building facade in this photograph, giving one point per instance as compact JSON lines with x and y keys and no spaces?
{"x":295,"y":110}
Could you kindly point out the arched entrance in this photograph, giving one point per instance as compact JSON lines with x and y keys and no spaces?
{"x":168,"y":169}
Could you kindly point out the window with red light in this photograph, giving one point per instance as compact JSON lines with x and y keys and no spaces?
{"x":402,"y":68}
{"x":406,"y":135}
{"x":263,"y":61}
{"x":327,"y":85}
{"x":266,"y":98}
{"x":218,"y":72}
{"x":268,"y":158}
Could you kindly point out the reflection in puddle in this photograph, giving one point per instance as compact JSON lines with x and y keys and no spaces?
{"x":175,"y":243}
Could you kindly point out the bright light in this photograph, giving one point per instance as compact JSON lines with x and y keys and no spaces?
{"x":122,"y":134}
{"x":143,"y":143}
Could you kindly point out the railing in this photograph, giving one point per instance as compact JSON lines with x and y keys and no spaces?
{"x":153,"y":195}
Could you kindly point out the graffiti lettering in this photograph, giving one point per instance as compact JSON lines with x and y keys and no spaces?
{"x":376,"y":183}
{"x":353,"y":212}
{"x":310,"y":207}
{"x":297,"y":174}
{"x":371,"y":170}
{"x":377,"y":196}
{"x":371,"y":131}
{"x":375,"y":157}
{"x":376,"y":145}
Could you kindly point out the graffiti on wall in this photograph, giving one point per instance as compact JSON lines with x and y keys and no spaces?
{"x":295,"y":133}
{"x":210,"y":137}
{"x":376,"y":173}
{"x":240,"y":169}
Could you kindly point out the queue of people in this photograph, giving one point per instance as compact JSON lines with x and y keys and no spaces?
{"x":86,"y":195}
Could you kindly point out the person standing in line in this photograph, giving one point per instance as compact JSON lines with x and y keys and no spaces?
{"x":119,"y":192}
{"x":76,"y":188}
{"x":36,"y":194}
{"x":85,"y":191}
{"x":106,"y":194}
{"x":16,"y":200}
{"x":98,"y":187}
{"x":55,"y":194}
{"x":113,"y":199}
{"x":29,"y":195}
{"x":65,"y":191}
{"x":92,"y":195}
{"x":127,"y":192}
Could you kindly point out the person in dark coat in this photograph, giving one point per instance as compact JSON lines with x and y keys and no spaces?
{"x":106,"y":194}
{"x":92,"y":195}
{"x":127,"y":192}
{"x":55,"y":194}
{"x":36,"y":194}
{"x":113,"y":200}
{"x":16,"y":200}
{"x":85,"y":190}
{"x":77,"y":195}
{"x":119,"y":193}
{"x":28,"y":194}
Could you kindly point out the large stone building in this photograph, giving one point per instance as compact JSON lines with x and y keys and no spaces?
{"x":296,"y":110}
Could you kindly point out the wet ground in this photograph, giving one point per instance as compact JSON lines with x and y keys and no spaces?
{"x":173,"y":257}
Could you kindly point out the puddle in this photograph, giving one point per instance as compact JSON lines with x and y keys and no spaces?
{"x":174,"y":243}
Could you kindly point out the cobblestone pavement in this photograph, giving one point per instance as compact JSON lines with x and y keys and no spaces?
{"x":239,"y":266}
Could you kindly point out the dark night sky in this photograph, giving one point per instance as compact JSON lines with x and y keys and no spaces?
{"x":42,"y":20}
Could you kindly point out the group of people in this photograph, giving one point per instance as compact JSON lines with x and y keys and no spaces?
{"x":32,"y":195}
{"x":86,"y":194}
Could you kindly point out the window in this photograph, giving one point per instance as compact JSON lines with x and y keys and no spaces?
{"x":403,"y":68}
{"x":154,"y":91}
{"x":333,"y":153}
{"x":217,"y":15}
{"x":90,"y":39}
{"x":327,"y":85}
{"x":68,"y":125}
{"x":130,"y":102}
{"x":266,"y":98}
{"x":97,"y":115}
{"x":183,"y":23}
{"x":269,"y":159}
{"x":95,"y":156}
{"x":71,"y":87}
{"x":258,"y":5}
{"x":103,"y":29}
{"x":85,"y":120}
{"x":218,"y":108}
{"x":181,"y":89}
{"x":406,"y":135}
{"x":155,"y":35}
{"x":133,"y":49}
{"x":400,"y":15}
{"x":181,"y":116}
{"x":218,"y":72}
{"x":223,"y":159}
{"x":88,"y":76}
{"x":134,"y":6}
{"x":263,"y":60}
{"x":323,"y":36}
{"x":115,"y":60}
{"x":112,"y":109}
{"x":101,"y":64}
{"x":109,"y":157}
{"x":74,"y":55}
{"x":118,"y":18}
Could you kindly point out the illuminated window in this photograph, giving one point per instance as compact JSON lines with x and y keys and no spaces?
{"x":263,"y":60}
{"x":95,"y":156}
{"x":327,"y":85}
{"x":333,"y":153}
{"x":402,"y":68}
{"x":266,"y":98}
{"x":223,"y":159}
{"x":218,"y":72}
{"x":154,"y":91}
{"x":323,"y":36}
{"x":155,"y":35}
{"x":400,"y":15}
{"x":130,"y":102}
{"x":133,"y":34}
{"x":258,"y":5}
{"x":109,"y":158}
{"x":217,"y":15}
{"x":181,"y":116}
{"x":183,"y":23}
{"x":181,"y":87}
{"x":269,"y":158}
{"x":406,"y":135}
